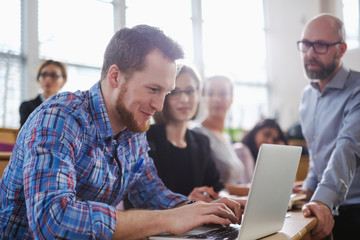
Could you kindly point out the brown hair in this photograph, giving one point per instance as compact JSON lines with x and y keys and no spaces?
{"x":162,"y":117}
{"x":129,"y":47}
{"x":52,"y":62}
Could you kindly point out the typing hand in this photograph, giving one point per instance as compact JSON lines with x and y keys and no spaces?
{"x":324,"y":217}
{"x":222,"y":211}
{"x":206,"y":194}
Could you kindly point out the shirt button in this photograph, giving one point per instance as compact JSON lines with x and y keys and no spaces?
{"x":315,"y":117}
{"x":314,"y":137}
{"x":315,"y":156}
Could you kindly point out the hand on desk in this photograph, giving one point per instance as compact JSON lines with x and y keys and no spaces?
{"x":324,"y":216}
{"x":206,"y":194}
{"x":299,"y":189}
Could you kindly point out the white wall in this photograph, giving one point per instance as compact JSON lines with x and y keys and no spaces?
{"x":284,"y":22}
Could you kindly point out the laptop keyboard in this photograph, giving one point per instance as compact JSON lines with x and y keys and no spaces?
{"x":224,"y":232}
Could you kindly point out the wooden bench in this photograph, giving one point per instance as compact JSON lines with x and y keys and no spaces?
{"x":7,"y":140}
{"x":4,"y":160}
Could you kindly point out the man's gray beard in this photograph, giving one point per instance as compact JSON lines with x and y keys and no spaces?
{"x":323,"y":73}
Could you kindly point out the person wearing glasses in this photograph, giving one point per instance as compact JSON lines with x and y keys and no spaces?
{"x":329,"y":117}
{"x":80,"y":153}
{"x":51,"y":77}
{"x":182,"y":156}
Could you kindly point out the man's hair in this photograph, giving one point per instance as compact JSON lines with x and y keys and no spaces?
{"x":163,"y":117}
{"x":129,"y":47}
{"x":52,"y":62}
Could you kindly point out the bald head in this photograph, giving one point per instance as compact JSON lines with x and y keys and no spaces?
{"x":324,"y":27}
{"x":322,"y":46}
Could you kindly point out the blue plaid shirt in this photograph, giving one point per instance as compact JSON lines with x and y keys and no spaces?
{"x":67,"y":173}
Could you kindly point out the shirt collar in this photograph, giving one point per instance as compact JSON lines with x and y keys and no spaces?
{"x":99,"y":113}
{"x":338,"y":81}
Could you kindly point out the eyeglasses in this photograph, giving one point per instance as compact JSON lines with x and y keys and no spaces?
{"x":52,"y":75}
{"x":319,"y":47}
{"x":177,"y":93}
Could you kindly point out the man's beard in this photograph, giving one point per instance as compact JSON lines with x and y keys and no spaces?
{"x":127,"y":117}
{"x":323,"y":73}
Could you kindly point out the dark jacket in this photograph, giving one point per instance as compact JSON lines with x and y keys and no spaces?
{"x":27,"y":107}
{"x":204,"y":171}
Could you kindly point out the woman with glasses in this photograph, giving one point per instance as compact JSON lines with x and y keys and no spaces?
{"x":217,"y":96}
{"x":51,"y":76}
{"x":265,"y":131}
{"x":183,"y":157}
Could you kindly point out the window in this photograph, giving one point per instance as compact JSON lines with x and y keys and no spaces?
{"x":10,"y":63}
{"x":236,"y":48}
{"x":351,"y":12}
{"x":77,"y":33}
{"x":175,"y":21}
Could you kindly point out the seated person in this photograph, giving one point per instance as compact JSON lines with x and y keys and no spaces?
{"x":51,"y":77}
{"x":265,"y":131}
{"x":183,"y":157}
{"x":217,"y":97}
{"x":80,"y":153}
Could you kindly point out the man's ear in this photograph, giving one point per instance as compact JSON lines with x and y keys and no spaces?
{"x":343,"y":48}
{"x":114,"y":76}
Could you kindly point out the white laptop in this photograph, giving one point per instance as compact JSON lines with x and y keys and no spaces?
{"x":268,"y":198}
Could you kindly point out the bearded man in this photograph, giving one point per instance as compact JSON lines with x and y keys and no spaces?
{"x":329,"y":116}
{"x":80,"y":153}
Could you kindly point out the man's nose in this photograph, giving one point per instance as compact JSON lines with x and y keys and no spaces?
{"x":158,"y":102}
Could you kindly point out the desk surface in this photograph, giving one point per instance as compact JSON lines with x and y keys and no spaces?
{"x":296,"y":227}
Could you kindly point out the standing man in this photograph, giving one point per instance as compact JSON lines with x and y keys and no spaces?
{"x":80,"y":153}
{"x":330,"y":121}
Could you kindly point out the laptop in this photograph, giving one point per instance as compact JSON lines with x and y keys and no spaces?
{"x":268,"y":198}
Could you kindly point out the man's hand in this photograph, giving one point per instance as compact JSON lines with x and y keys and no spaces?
{"x":324,"y":216}
{"x":136,"y":223}
{"x":206,"y":194}
{"x":307,"y":192}
{"x":222,"y":211}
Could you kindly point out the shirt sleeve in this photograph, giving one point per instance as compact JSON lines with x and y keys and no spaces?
{"x":340,"y":170}
{"x":53,"y":210}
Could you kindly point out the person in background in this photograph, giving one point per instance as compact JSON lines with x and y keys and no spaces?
{"x":51,"y":77}
{"x":182,"y":156}
{"x":265,"y":131}
{"x":329,"y":117}
{"x":217,"y":97}
{"x":80,"y":153}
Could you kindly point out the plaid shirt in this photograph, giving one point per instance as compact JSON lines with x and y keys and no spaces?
{"x":67,"y":173}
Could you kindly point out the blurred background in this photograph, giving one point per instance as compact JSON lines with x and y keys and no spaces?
{"x":253,"y":42}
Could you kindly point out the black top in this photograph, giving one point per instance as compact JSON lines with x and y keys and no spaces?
{"x":183,"y":169}
{"x":27,"y":107}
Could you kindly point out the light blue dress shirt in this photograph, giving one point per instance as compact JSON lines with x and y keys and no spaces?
{"x":330,"y":122}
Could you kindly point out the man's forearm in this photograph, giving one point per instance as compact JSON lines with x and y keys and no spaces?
{"x":137,"y":224}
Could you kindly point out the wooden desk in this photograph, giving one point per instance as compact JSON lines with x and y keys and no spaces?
{"x":4,"y":160}
{"x":296,"y":227}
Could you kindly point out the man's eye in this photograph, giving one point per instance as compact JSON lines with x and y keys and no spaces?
{"x":154,"y":90}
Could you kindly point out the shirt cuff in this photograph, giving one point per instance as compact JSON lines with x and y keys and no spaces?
{"x":326,"y":196}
